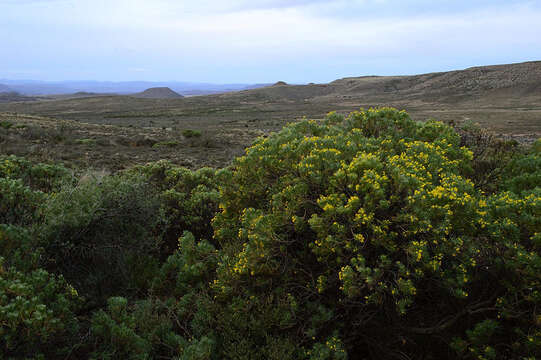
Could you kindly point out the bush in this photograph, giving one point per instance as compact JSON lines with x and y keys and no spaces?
{"x":170,"y":143}
{"x":18,"y":203}
{"x":189,"y":200}
{"x":101,"y":235}
{"x":367,"y":227}
{"x":6,"y":125}
{"x":490,"y":155}
{"x":121,"y":332}
{"x":43,"y":177}
{"x":188,"y":133}
{"x":523,"y":173}
{"x":36,"y":314}
{"x":173,"y":322}
{"x":19,"y":248}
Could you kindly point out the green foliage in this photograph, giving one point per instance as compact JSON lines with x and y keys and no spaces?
{"x":173,"y":323}
{"x":86,"y":141}
{"x":171,"y":143}
{"x":100,"y":235}
{"x":189,"y":133}
{"x":6,"y":124}
{"x":332,"y":349}
{"x":19,"y":248}
{"x":124,"y":333}
{"x":523,"y":173}
{"x":367,"y":236}
{"x":189,"y":200}
{"x":374,"y":217}
{"x":42,"y":177}
{"x":189,"y":269}
{"x":536,"y":146}
{"x":18,"y":203}
{"x":36,"y":313}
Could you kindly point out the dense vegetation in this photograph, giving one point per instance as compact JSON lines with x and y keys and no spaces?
{"x":366,"y":237}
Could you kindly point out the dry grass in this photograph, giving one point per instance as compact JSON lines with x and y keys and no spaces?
{"x":114,"y":132}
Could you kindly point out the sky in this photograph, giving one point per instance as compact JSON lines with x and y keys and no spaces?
{"x":260,"y":41}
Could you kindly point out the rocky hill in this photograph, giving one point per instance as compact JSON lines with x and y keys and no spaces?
{"x":158,"y":93}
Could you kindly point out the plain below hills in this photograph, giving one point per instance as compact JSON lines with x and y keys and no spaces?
{"x":505,"y":99}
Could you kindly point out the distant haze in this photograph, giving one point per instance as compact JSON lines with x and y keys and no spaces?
{"x":34,"y":87}
{"x":258,"y":41}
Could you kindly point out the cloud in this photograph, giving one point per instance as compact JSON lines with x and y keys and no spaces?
{"x":29,"y":2}
{"x":262,"y":40}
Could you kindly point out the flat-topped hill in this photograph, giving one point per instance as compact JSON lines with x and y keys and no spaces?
{"x":158,"y":93}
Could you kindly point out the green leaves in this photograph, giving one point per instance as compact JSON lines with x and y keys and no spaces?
{"x":36,"y":308}
{"x":371,"y":214}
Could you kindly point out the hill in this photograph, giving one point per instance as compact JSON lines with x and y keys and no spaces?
{"x":512,"y":84}
{"x":505,"y":99}
{"x":511,"y":81}
{"x":158,"y":93}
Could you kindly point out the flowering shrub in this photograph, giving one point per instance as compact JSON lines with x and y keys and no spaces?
{"x":374,"y":218}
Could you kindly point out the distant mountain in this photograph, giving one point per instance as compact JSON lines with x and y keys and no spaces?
{"x":158,"y":93}
{"x":5,"y":89}
{"x":33,"y":87}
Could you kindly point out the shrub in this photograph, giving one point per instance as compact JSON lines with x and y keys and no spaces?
{"x":188,"y":133}
{"x":6,"y":125}
{"x":18,"y":203}
{"x":40,"y":176}
{"x":490,"y":155}
{"x":189,"y":200}
{"x":100,"y":235}
{"x":86,"y":141}
{"x":19,"y":248}
{"x":115,"y":331}
{"x":523,"y":173}
{"x":36,"y":314}
{"x":367,"y":227}
{"x":170,"y":143}
{"x":173,"y":322}
{"x":367,"y":236}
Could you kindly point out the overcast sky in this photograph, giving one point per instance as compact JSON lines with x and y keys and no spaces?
{"x":255,"y":41}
